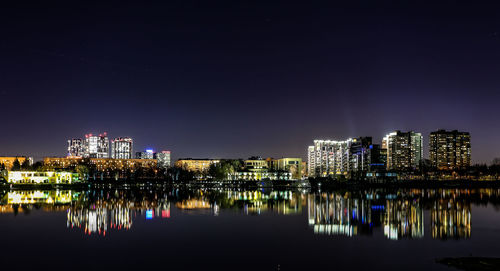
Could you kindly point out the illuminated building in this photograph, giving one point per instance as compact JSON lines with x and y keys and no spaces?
{"x":292,"y":165}
{"x":75,"y":147}
{"x":35,"y":177}
{"x":404,"y":150}
{"x":122,"y":148}
{"x":148,"y":154}
{"x":262,"y":175}
{"x":101,"y":164}
{"x":311,"y":161}
{"x":62,"y":162}
{"x":96,"y":146}
{"x":8,"y":162}
{"x":449,"y":150}
{"x":329,"y":158}
{"x":163,"y":158}
{"x":360,"y":154}
{"x":256,"y":164}
{"x":195,"y":165}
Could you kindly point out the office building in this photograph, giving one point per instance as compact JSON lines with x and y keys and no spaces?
{"x":163,"y":158}
{"x":122,"y":148}
{"x":404,"y":150}
{"x":147,"y":154}
{"x":449,"y":150}
{"x":96,"y":146}
{"x":75,"y":147}
{"x":360,"y":154}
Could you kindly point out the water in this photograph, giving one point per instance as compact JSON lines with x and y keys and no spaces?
{"x":203,"y":229}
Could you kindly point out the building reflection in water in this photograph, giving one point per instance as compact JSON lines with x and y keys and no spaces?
{"x":451,"y":219}
{"x":397,"y":214}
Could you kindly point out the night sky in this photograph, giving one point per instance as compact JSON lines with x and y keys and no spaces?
{"x":231,"y":80}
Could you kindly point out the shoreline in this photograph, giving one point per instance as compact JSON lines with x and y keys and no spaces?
{"x":311,"y":184}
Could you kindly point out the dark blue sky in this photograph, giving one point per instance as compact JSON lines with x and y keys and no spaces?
{"x":227,"y":79}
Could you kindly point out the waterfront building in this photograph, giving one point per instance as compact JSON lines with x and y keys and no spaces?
{"x":47,"y":177}
{"x":449,"y":150}
{"x":147,"y":154}
{"x":360,"y":154}
{"x":96,"y":146}
{"x":8,"y":161}
{"x":75,"y":147}
{"x":329,"y":158}
{"x":195,"y":165}
{"x":163,"y":158}
{"x":248,"y":175}
{"x":404,"y":150}
{"x":292,"y":165}
{"x":122,"y":148}
{"x":100,"y":164}
{"x":256,"y":164}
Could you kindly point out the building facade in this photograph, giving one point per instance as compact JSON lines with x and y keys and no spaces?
{"x":449,"y":150}
{"x":8,"y":161}
{"x":291,"y":165}
{"x":404,"y":150}
{"x":96,"y":146}
{"x":122,"y":148}
{"x":75,"y":147}
{"x":195,"y":165}
{"x":329,"y":158}
{"x":163,"y":158}
{"x":147,"y":154}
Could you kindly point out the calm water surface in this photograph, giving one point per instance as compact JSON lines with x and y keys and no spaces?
{"x":246,"y":230}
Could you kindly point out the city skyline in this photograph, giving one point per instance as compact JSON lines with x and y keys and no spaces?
{"x":247,"y":79}
{"x":136,"y":153}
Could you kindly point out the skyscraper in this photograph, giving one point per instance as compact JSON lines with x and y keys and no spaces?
{"x":122,"y":148}
{"x":404,"y":150}
{"x":75,"y":147}
{"x":449,"y":150}
{"x":360,"y":158}
{"x":96,"y":146}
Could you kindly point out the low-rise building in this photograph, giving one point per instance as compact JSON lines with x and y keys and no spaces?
{"x":47,"y":177}
{"x":8,"y":161}
{"x":195,"y":165}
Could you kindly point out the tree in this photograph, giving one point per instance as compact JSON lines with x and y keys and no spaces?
{"x":16,"y":166}
{"x":83,"y":171}
{"x":26,"y":165}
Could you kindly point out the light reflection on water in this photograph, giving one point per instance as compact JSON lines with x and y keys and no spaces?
{"x":398,"y":213}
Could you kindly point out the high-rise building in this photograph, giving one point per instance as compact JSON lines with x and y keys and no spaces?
{"x":148,"y":154}
{"x":360,"y":154}
{"x":163,"y":158}
{"x":449,"y":150}
{"x":122,"y":148}
{"x":404,"y":150}
{"x":96,"y":146}
{"x":329,"y":158}
{"x":75,"y":147}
